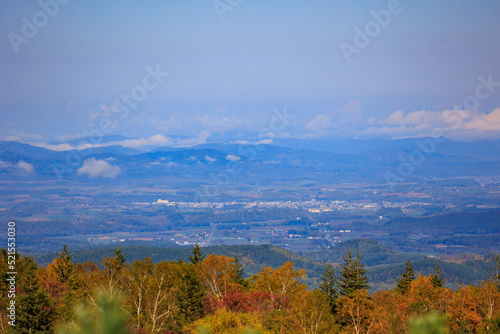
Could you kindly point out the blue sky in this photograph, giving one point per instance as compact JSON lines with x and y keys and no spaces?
{"x":225,"y":76}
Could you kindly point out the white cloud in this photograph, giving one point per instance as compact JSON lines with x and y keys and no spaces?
{"x":241,"y":142}
{"x":25,"y":167}
{"x":247,"y":142}
{"x":350,"y":115}
{"x":485,"y":122}
{"x":265,"y":142}
{"x":156,"y":140}
{"x":434,"y":118}
{"x":454,"y":124}
{"x":23,"y":136}
{"x":351,"y":112}
{"x":5,"y":164}
{"x":58,"y":147}
{"x":198,"y":140}
{"x":231,"y":157}
{"x":283,"y":135}
{"x":320,"y":123}
{"x":210,"y":159}
{"x":168,"y":164}
{"x":98,"y":168}
{"x":22,"y":166}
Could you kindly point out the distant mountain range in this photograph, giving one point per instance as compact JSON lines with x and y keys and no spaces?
{"x":330,"y":161}
{"x":482,"y":150}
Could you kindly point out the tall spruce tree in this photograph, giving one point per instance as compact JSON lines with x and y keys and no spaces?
{"x":189,"y":296}
{"x":116,"y":263}
{"x":64,"y":270}
{"x":119,"y":258}
{"x":197,"y":256}
{"x":404,"y":281}
{"x":352,"y":275}
{"x":35,"y":313}
{"x":361,"y":282}
{"x":437,"y":278}
{"x":328,"y":285}
{"x":238,"y":277}
{"x":63,"y":267}
{"x":114,"y":268}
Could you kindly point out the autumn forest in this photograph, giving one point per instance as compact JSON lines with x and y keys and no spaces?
{"x":210,"y":294}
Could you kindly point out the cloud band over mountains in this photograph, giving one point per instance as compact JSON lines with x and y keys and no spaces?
{"x":349,"y":121}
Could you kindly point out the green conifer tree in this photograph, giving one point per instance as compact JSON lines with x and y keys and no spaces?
{"x":35,"y":312}
{"x":437,"y":278}
{"x":404,"y":281}
{"x":119,"y":258}
{"x":63,"y":266}
{"x":114,"y":268}
{"x":352,"y":275}
{"x":328,"y":285}
{"x":197,"y":255}
{"x":238,"y":278}
{"x":190,"y":296}
{"x":346,"y":275}
{"x":65,"y":273}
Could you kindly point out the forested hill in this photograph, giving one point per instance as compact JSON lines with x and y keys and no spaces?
{"x":469,"y":222}
{"x":383,"y":264}
{"x":208,"y":291}
{"x":373,"y":252}
{"x":253,"y":258}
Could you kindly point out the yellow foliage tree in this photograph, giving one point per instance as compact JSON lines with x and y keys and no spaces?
{"x":226,"y":322}
{"x":282,"y":281}
{"x":311,"y":311}
{"x":357,"y":310}
{"x":424,"y":297}
{"x":390,"y":314}
{"x":463,"y":315}
{"x":217,"y":273}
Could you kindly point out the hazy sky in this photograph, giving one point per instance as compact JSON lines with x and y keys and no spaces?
{"x":343,"y":69}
